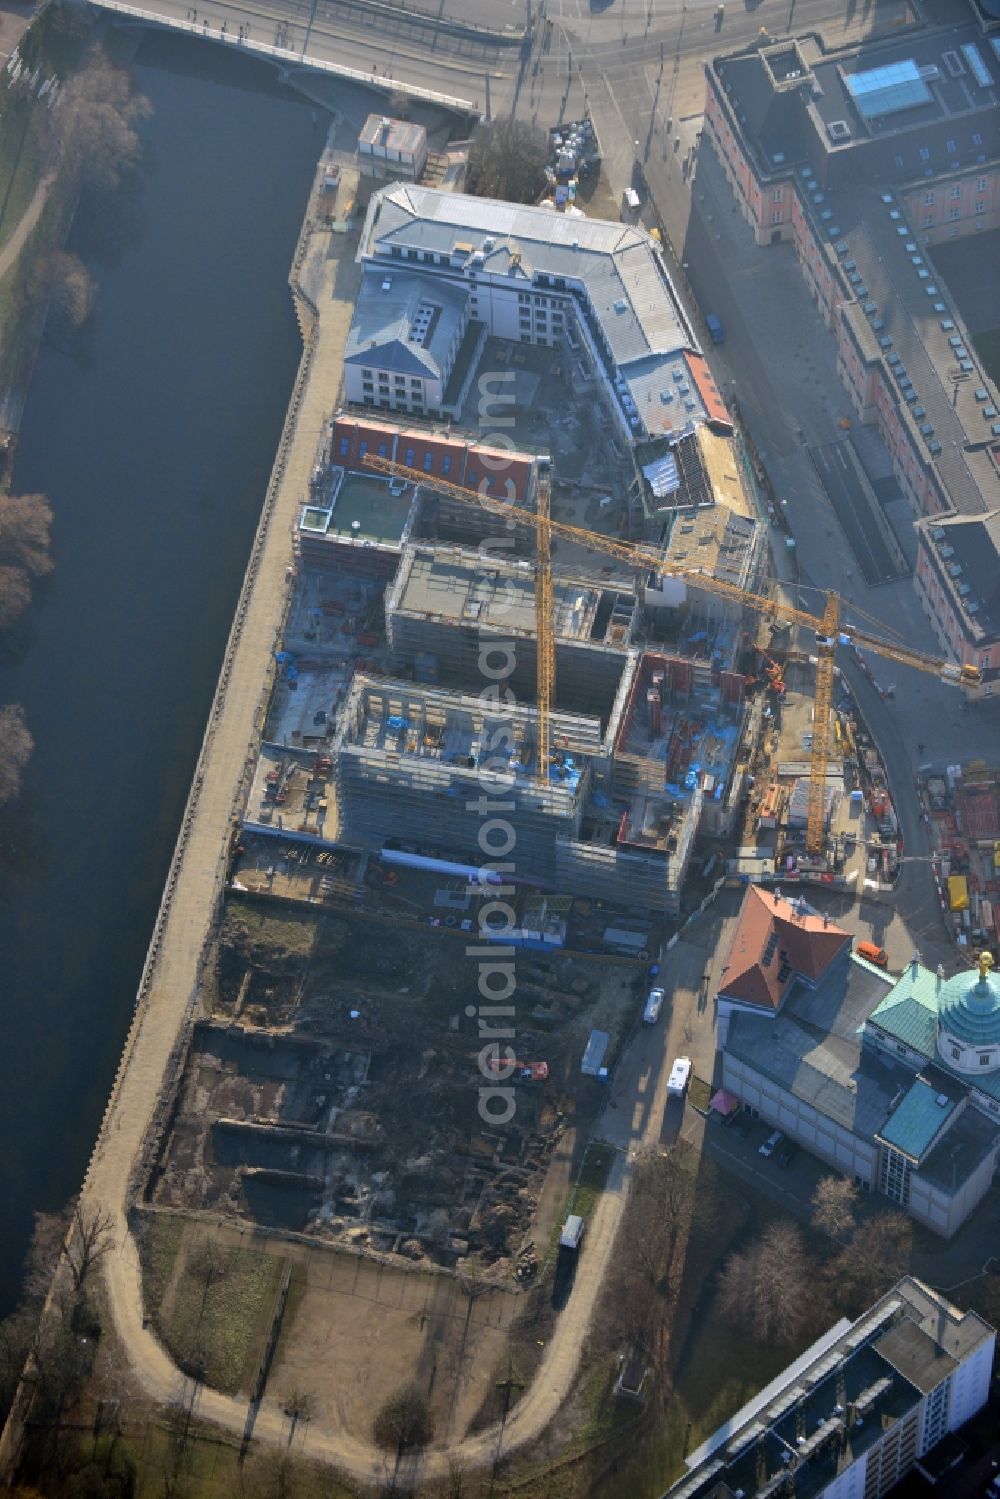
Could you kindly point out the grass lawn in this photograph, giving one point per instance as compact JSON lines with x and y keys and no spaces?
{"x":592,"y":1180}
{"x":292,"y":933}
{"x":224,"y":1321}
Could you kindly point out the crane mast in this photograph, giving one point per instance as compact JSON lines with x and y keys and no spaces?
{"x":829,"y":629}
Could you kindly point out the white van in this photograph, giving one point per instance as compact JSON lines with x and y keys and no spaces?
{"x":654,"y":1004}
{"x":680,"y":1073}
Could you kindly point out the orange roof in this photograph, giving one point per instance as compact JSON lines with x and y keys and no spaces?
{"x":775,"y":943}
{"x":715,"y":406}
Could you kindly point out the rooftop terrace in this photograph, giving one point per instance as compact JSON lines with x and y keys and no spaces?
{"x":360,"y":508}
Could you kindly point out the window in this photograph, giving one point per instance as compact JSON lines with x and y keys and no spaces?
{"x":899,"y":161}
{"x":928,"y":220}
{"x":954,"y":213}
{"x":951,"y":148}
{"x":928,"y":197}
{"x":956,"y":190}
{"x":776,"y":216}
{"x":446,"y":464}
{"x":473,"y":476}
{"x":428,"y":462}
{"x":956,"y":1053}
{"x":776,"y":195}
{"x":901,"y":1049}
{"x":410,"y":455}
{"x":984,"y":1059}
{"x":981,"y":185}
{"x":977,"y":139}
{"x":383,"y":450}
{"x":345,"y":444}
{"x":980,"y":206}
{"x":362,"y":449}
{"x":925,"y":155}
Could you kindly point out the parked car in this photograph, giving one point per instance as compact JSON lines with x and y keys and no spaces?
{"x":787,"y":1153}
{"x":654,"y":1004}
{"x":873,"y":953}
{"x":771,"y":1144}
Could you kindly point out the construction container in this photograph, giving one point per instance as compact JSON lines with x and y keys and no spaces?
{"x":958,"y":892}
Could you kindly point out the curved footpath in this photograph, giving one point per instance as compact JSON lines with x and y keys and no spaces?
{"x":13,"y":246}
{"x":169,"y":989}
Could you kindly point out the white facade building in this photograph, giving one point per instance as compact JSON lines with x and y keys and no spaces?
{"x":531,"y":275}
{"x":863,"y":1406}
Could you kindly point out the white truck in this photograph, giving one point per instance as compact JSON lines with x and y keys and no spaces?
{"x":680,"y":1073}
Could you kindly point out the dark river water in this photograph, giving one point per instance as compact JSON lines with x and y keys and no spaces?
{"x":154,"y":443}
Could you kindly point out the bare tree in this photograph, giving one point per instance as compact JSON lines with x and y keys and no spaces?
{"x":209,"y":1262}
{"x":834,"y":1205}
{"x":400,"y":104}
{"x":95,"y":122}
{"x":61,"y":281}
{"x":16,"y":744}
{"x":877,"y":1255}
{"x":25,"y":520}
{"x":765,"y":1289}
{"x":298,"y":1408}
{"x":403,"y":1425}
{"x":272,"y":1475}
{"x":15,"y":595}
{"x":507,"y":160}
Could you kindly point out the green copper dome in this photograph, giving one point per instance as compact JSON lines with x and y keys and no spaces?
{"x":969,"y":1006}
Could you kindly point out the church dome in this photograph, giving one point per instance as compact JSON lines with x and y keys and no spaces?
{"x":969,"y":1016}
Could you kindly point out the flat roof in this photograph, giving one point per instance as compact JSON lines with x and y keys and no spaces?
{"x":404,"y":136}
{"x":831,"y":1405}
{"x":966,"y":556}
{"x":813,"y":1049}
{"x":801,"y":102}
{"x":919,"y":339}
{"x":366,"y":499}
{"x":451,"y":584}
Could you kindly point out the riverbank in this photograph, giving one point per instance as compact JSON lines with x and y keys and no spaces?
{"x":153,"y":438}
{"x":169,"y":987}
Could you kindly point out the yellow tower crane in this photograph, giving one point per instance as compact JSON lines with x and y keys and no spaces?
{"x":829,"y":629}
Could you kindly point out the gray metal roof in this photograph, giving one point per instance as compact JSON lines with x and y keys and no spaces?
{"x":383,"y":327}
{"x":620,"y":266}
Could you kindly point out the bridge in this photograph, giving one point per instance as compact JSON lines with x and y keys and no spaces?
{"x":454,"y":63}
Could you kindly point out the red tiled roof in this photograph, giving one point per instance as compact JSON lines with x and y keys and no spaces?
{"x":456,"y":459}
{"x":768,"y":927}
{"x":715,"y":406}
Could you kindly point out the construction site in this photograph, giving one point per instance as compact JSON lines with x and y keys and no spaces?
{"x":308,"y":1105}
{"x":493,"y":673}
{"x":962,"y":809}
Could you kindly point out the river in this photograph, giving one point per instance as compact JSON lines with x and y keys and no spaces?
{"x":154,"y":443}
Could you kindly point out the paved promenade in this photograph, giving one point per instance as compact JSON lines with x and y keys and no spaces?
{"x":170,"y":982}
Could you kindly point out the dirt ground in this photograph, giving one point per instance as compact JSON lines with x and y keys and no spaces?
{"x":415,"y":1328}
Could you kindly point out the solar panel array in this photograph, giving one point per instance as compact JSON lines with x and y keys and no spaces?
{"x":886,"y":91}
